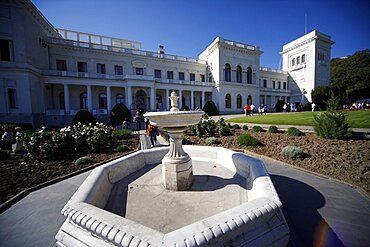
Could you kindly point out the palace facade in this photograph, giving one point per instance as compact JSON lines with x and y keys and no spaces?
{"x":47,"y":75}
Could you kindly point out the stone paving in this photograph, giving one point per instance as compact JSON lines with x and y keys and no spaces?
{"x":319,"y":211}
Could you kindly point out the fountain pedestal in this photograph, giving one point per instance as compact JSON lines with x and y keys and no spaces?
{"x":177,"y":169}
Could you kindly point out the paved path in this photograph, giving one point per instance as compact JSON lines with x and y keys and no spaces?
{"x":315,"y":208}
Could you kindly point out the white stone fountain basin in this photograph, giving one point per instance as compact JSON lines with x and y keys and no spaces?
{"x":174,"y":119}
{"x":256,"y":221}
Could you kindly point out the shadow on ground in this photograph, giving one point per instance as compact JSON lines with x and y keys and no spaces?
{"x":300,"y":207}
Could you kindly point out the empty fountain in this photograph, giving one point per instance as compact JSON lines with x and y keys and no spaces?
{"x":176,"y":196}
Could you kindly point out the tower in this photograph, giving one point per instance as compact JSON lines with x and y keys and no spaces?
{"x":307,"y":60}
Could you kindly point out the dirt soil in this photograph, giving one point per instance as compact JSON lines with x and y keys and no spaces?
{"x":348,"y":160}
{"x":21,"y":172}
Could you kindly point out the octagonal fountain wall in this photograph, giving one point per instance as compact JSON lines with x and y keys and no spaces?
{"x":232,"y":202}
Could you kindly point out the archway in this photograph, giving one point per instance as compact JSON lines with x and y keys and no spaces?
{"x":141,"y":101}
{"x":249,"y":99}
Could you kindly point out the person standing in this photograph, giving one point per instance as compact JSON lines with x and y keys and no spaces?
{"x":137,"y":120}
{"x":252,"y":109}
{"x":265,"y":109}
{"x":152,"y":132}
{"x":313,"y":106}
{"x":247,"y":110}
{"x":7,"y":139}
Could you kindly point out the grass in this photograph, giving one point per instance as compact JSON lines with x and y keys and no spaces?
{"x":357,"y":119}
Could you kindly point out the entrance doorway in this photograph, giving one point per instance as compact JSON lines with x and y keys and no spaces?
{"x":141,"y":101}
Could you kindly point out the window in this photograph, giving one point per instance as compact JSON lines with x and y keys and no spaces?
{"x":192,"y":77}
{"x":238,"y":73}
{"x":61,"y":101}
{"x":118,"y":70}
{"x":12,"y":96}
{"x":139,"y":71}
{"x":100,"y":68}
{"x":227,"y":101}
{"x":279,"y":84}
{"x":170,"y":75}
{"x":284,"y":85}
{"x":303,"y":58}
{"x":239,"y":101}
{"x":81,"y":66}
{"x":293,"y":61}
{"x":202,"y":78}
{"x":265,"y":83}
{"x":249,"y":75}
{"x":62,"y":65}
{"x":273,"y":84}
{"x":181,"y":76}
{"x":120,"y":99}
{"x":102,"y":101}
{"x":83,"y":101}
{"x":157,"y":73}
{"x":227,"y":72}
{"x":298,"y":60}
{"x":6,"y":50}
{"x":321,"y":56}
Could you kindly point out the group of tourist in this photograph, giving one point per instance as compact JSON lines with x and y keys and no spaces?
{"x":249,"y":110}
{"x":357,"y":106}
{"x":7,"y":139}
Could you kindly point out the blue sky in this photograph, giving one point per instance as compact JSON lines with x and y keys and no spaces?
{"x":186,"y":27}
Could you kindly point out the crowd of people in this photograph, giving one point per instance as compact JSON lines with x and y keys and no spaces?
{"x":9,"y":141}
{"x":250,"y":109}
{"x":357,"y":106}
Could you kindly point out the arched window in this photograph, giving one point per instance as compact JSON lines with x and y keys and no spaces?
{"x":298,"y":60}
{"x":279,"y":84}
{"x":293,"y":61}
{"x":238,"y":73}
{"x":102,"y":101}
{"x":284,"y":85}
{"x":227,"y":72}
{"x":249,"y":75}
{"x":61,"y":101}
{"x":239,"y":101}
{"x":303,"y":58}
{"x":227,"y":101}
{"x":249,"y":100}
{"x":83,"y":101}
{"x":120,"y":99}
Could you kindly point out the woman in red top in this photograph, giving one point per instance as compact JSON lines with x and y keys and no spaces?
{"x":247,"y":110}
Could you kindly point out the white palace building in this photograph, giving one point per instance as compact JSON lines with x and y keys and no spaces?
{"x":49,"y":74}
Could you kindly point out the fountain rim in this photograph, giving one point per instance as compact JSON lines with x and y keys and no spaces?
{"x":163,"y":113}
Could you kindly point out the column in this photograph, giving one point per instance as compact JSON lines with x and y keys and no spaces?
{"x":129,"y":97}
{"x":191,"y":100}
{"x":265,"y":99}
{"x":66,"y":98}
{"x":109,"y":100}
{"x":167,"y":100}
{"x":203,"y":100}
{"x":89,"y":98}
{"x":180,"y":99}
{"x":152,"y":99}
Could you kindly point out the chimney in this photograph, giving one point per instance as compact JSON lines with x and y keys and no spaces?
{"x":161,"y":49}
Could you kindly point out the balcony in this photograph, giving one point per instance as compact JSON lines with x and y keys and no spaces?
{"x":184,"y":82}
{"x":139,"y":77}
{"x":298,"y":66}
{"x":81,"y":75}
{"x":273,"y":70}
{"x":275,"y":90}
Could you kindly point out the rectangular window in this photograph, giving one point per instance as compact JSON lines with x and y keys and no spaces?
{"x":279,"y":84}
{"x":265,"y":83}
{"x":170,"y":75}
{"x":284,"y":85}
{"x":82,"y":66}
{"x":100,"y":68}
{"x":12,"y":95}
{"x":61,"y":65}
{"x":157,"y":73}
{"x":118,"y":70}
{"x":139,"y":71}
{"x":6,"y":50}
{"x":181,"y":76}
{"x":202,"y":78}
{"x":192,"y":77}
{"x":273,"y":84}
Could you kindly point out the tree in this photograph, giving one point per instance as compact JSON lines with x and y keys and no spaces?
{"x":320,"y":96}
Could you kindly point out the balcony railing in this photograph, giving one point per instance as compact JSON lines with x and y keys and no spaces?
{"x":298,"y":66}
{"x":139,"y":77}
{"x":237,"y":44}
{"x":183,"y":82}
{"x":123,"y":50}
{"x":275,"y":90}
{"x":273,"y":70}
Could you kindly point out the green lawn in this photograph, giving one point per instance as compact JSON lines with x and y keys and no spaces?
{"x":357,"y":119}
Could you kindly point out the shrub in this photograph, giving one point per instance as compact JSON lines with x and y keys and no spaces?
{"x":247,"y":140}
{"x":119,"y":114}
{"x":273,"y":129}
{"x":121,"y":148}
{"x":279,"y":106}
{"x":293,"y":152}
{"x":332,"y":124}
{"x":211,"y":109}
{"x":122,"y":134}
{"x":236,"y":126}
{"x":224,"y":130}
{"x":85,"y":160}
{"x":294,"y":132}
{"x":4,"y":154}
{"x":257,"y":128}
{"x":245,"y":127}
{"x":212,"y":140}
{"x":21,"y":150}
{"x":84,"y":117}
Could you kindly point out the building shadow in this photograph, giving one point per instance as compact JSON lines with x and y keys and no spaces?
{"x":300,"y":207}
